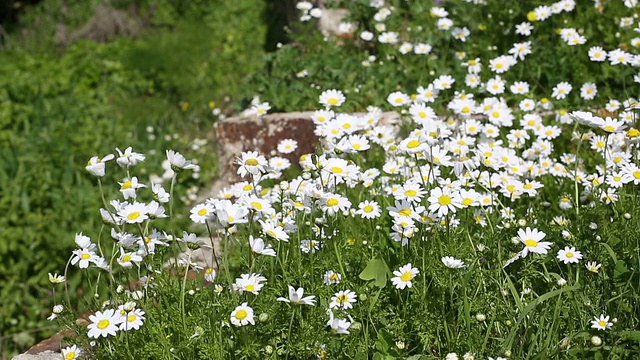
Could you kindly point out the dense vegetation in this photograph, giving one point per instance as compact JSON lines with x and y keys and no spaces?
{"x":495,"y":220}
{"x":61,"y":105}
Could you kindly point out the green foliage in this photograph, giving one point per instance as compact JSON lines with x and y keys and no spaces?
{"x":60,"y":107}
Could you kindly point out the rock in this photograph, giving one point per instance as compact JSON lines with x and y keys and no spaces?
{"x":46,"y":355}
{"x":250,"y":133}
{"x":262,"y":134}
{"x":330,"y":20}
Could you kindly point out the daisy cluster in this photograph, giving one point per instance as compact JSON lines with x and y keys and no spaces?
{"x":477,"y":174}
{"x":481,"y":62}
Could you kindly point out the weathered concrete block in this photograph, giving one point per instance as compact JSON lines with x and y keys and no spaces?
{"x":46,"y":355}
{"x":262,"y":134}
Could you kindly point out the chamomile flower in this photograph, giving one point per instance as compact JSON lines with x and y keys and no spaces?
{"x":134,"y":213}
{"x":129,"y":186}
{"x":297,"y":297}
{"x":83,"y":257}
{"x":398,"y":99}
{"x":132,"y":318}
{"x":287,"y":146}
{"x":332,"y":97}
{"x":561,"y":90}
{"x":331,"y":277}
{"x":403,"y":276}
{"x":56,"y":279}
{"x":274,"y":231}
{"x":104,"y":323}
{"x":252,"y":283}
{"x":593,"y":266}
{"x":128,"y":158}
{"x":343,"y":300}
{"x":531,"y":238}
{"x":96,"y":166}
{"x":71,"y":352}
{"x":258,"y":246}
{"x":178,"y":162}
{"x":338,"y":326}
{"x":242,"y":315}
{"x":601,"y":323}
{"x":209,"y":274}
{"x":444,"y":200}
{"x":260,"y":109}
{"x":569,"y":255}
{"x":128,"y":259}
{"x":251,"y":163}
{"x":453,"y":263}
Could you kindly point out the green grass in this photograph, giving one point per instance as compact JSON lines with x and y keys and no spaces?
{"x":61,"y":106}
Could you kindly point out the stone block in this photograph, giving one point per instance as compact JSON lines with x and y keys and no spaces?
{"x":238,"y":134}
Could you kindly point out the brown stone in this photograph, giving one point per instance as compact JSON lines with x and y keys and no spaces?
{"x":238,"y":134}
{"x":250,"y":133}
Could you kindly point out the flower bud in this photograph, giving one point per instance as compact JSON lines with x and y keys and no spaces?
{"x":596,"y":341}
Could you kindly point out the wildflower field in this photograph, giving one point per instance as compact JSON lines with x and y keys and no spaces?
{"x":497,"y":219}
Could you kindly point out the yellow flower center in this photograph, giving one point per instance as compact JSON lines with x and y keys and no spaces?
{"x":531,"y":243}
{"x":242,"y":314}
{"x":342,"y":299}
{"x":70,"y":355}
{"x":636,"y":174}
{"x":103,"y":324}
{"x":85,"y":256}
{"x":602,"y":323}
{"x":609,"y":128}
{"x":444,"y":200}
{"x":247,"y":187}
{"x":406,"y":276}
{"x":134,"y":215}
{"x":272,"y":233}
{"x":405,"y":212}
{"x":467,"y":201}
{"x":633,"y":133}
{"x":336,"y":170}
{"x":202,"y":212}
{"x":569,"y":255}
{"x":332,"y":202}
{"x":126,"y":185}
{"x":131,"y":318}
{"x":250,"y":287}
{"x":251,"y":162}
{"x":368,"y":209}
{"x":126,"y":258}
{"x":413,"y":144}
{"x":410,"y":193}
{"x":256,"y":205}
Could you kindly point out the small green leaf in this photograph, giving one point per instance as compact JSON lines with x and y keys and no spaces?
{"x":377,"y":271}
{"x":620,"y":269}
{"x":633,"y":335}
